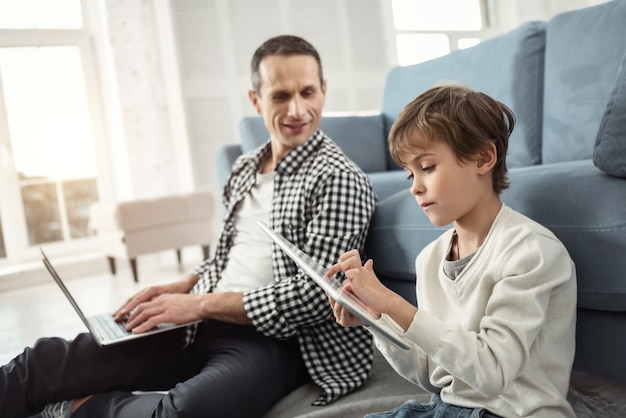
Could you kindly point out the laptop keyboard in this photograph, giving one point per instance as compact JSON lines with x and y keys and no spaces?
{"x":106,"y":326}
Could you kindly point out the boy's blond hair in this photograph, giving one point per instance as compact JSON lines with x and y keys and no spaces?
{"x":464,"y":119}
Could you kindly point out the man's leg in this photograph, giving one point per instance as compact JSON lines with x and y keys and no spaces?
{"x":244,"y":374}
{"x":55,"y":370}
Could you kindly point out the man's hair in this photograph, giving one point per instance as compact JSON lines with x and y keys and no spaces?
{"x":464,"y":119}
{"x":286,"y":45}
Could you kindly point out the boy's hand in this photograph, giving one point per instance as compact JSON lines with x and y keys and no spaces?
{"x":362,"y":282}
{"x":343,"y":316}
{"x":360,"y":278}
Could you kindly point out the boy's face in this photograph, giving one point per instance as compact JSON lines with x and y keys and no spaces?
{"x":446,"y":189}
{"x":290,"y":99}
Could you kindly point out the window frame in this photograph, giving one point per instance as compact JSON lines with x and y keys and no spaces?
{"x":12,"y":219}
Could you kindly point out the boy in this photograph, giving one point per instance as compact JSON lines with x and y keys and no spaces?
{"x":494,"y":331}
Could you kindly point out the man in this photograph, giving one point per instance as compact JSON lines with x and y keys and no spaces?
{"x":267,"y":328}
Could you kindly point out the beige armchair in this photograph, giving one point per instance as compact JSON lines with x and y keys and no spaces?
{"x":132,"y":228}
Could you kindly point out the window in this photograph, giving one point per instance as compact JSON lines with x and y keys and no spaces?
{"x":46,"y":138}
{"x":427,"y":29}
{"x":41,"y":14}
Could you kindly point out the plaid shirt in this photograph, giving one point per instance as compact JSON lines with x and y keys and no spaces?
{"x":323,"y":204}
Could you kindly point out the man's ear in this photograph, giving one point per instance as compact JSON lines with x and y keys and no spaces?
{"x":255,"y":100}
{"x":323,"y":88}
{"x":487,"y":159}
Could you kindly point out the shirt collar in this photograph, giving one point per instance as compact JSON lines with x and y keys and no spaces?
{"x":293,"y":159}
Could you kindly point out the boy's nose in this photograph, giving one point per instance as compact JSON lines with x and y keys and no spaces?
{"x":416,"y":188}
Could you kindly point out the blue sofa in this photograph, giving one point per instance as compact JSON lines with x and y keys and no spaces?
{"x":565,"y":80}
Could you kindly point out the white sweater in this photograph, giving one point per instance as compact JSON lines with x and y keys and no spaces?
{"x":500,"y":336}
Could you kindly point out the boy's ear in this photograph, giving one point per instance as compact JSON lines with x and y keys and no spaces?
{"x":487,"y":159}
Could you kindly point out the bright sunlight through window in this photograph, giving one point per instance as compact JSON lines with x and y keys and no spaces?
{"x":40,"y":14}
{"x":47,"y":112}
{"x":425,"y":28}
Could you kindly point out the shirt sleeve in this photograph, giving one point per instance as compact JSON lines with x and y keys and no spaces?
{"x":336,"y":220}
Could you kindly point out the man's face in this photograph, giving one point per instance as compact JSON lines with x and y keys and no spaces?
{"x":290,"y":100}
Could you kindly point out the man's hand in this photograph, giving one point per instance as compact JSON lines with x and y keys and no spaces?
{"x":149,"y":293}
{"x":175,"y":308}
{"x":171,"y":303}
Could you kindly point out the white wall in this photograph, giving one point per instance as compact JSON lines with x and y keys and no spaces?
{"x":181,"y":72}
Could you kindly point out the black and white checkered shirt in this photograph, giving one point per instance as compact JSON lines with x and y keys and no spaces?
{"x":323,"y":204}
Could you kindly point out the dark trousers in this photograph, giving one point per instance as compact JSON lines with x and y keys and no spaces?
{"x":229,"y":371}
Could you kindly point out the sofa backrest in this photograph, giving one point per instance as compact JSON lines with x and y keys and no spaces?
{"x":361,"y":138}
{"x":584,"y":49}
{"x":508,"y":67}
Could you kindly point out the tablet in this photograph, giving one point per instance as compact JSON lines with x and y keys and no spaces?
{"x":331,"y":286}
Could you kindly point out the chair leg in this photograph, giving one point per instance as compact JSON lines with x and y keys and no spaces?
{"x":111,"y":265}
{"x":205,"y":251}
{"x":179,"y":257}
{"x":133,"y":267}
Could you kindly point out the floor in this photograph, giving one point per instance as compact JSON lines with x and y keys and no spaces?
{"x":41,"y":310}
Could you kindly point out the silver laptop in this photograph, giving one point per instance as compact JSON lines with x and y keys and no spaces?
{"x":103,"y":327}
{"x":331,"y":286}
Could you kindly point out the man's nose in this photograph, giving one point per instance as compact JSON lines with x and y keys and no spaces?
{"x":296,"y":106}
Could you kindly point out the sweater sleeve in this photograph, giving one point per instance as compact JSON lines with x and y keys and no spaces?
{"x":412,"y":364}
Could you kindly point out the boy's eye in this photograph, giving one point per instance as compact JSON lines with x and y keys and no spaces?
{"x":428,"y":169}
{"x":409,"y":177}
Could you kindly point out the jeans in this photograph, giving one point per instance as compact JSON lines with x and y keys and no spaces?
{"x":229,"y":371}
{"x":436,"y":408}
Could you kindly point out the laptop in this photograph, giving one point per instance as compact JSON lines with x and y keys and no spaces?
{"x":331,"y":286}
{"x":103,"y":327}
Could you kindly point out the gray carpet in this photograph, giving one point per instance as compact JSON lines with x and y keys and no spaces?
{"x":588,"y":406}
{"x":590,"y":396}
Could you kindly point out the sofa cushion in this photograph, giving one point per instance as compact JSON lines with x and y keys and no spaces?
{"x":609,"y":153}
{"x":582,"y":206}
{"x":138,"y":214}
{"x":387,"y":183}
{"x":583,"y":52}
{"x":509,"y":68}
{"x":361,"y":138}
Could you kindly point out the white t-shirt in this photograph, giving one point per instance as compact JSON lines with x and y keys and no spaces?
{"x":250,"y":259}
